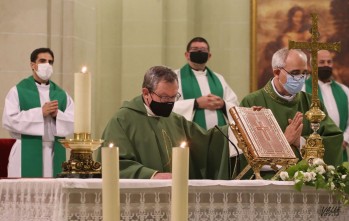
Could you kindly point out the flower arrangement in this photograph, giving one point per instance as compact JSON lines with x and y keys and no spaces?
{"x":316,"y":173}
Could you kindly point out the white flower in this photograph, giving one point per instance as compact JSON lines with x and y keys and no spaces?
{"x":284,"y":175}
{"x":313,"y":175}
{"x":344,"y":176}
{"x":330,"y":167}
{"x":307,"y":177}
{"x":318,"y":161}
{"x":297,"y":181}
{"x":320,"y":169}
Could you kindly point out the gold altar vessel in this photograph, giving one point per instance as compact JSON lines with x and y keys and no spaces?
{"x":314,"y":147}
{"x":81,"y":163}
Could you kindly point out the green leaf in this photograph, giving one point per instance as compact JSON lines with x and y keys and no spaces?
{"x":346,"y":165}
{"x":320,"y":182}
{"x":298,"y":186}
{"x":300,"y":166}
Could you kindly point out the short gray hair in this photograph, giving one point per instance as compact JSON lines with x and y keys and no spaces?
{"x":156,"y":74}
{"x":279,"y":57}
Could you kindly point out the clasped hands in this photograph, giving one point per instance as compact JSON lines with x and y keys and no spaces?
{"x":50,"y":108}
{"x":210,"y":102}
{"x":294,"y":129}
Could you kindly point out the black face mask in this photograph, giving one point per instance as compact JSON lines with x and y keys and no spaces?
{"x":199,"y":57}
{"x":161,"y":109}
{"x":324,"y":73}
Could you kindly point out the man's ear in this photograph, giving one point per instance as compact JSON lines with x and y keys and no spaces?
{"x":276,"y":72}
{"x":187,"y":56}
{"x":145,"y":93}
{"x":32,"y":65}
{"x":209,"y":55}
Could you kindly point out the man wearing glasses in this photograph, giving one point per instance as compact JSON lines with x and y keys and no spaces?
{"x":283,"y":95}
{"x":206,"y":96}
{"x":145,"y":129}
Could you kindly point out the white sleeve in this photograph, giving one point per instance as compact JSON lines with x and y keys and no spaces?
{"x":65,"y":120}
{"x":229,"y":97}
{"x":183,"y":107}
{"x":346,"y":132}
{"x":30,"y":122}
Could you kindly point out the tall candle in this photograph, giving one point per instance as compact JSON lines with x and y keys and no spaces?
{"x":110,"y":183}
{"x":82,"y":102}
{"x":179,"y":191}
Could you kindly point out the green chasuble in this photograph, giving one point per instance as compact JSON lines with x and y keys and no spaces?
{"x":31,"y":163}
{"x":283,"y":110}
{"x":146,"y":143}
{"x":191,"y":89}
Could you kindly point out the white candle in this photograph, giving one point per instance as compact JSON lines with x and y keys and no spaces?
{"x":179,"y":191}
{"x":82,"y":101}
{"x":110,"y":183}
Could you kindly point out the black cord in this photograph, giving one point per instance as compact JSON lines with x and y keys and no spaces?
{"x":237,"y":162}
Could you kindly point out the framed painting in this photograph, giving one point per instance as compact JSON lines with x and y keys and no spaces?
{"x":274,"y":22}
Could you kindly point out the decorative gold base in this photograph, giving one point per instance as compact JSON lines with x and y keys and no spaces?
{"x":257,"y":163}
{"x":81,"y":163}
{"x":313,"y":148}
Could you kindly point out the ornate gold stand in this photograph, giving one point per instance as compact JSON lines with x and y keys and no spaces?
{"x":314,"y":147}
{"x":257,"y":163}
{"x":81,"y":164}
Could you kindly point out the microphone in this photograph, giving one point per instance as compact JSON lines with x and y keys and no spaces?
{"x":237,"y":161}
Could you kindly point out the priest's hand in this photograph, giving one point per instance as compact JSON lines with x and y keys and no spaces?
{"x":210,"y":102}
{"x":50,"y":108}
{"x":294,"y":129}
{"x":257,"y":108}
{"x":159,"y":176}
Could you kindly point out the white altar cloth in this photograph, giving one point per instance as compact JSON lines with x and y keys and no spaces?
{"x":149,"y":200}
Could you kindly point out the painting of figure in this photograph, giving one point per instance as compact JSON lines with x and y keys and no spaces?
{"x":275,"y":22}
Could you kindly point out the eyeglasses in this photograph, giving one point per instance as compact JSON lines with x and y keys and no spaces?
{"x":296,"y":74}
{"x":164,"y":99}
{"x":195,"y":49}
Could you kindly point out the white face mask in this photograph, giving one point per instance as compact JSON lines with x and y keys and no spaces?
{"x":44,"y":71}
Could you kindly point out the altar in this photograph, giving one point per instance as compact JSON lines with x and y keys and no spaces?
{"x":149,"y":200}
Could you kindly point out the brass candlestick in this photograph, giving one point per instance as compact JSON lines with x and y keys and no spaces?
{"x":81,"y":163}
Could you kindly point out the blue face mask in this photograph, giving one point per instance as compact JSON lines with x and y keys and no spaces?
{"x":293,"y":86}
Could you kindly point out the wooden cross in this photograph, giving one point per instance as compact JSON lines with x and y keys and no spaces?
{"x":314,"y":46}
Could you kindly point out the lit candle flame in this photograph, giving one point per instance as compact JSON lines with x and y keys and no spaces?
{"x":84,"y":69}
{"x":111,"y":145}
{"x":183,"y":145}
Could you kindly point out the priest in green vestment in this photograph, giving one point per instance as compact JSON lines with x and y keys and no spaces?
{"x":145,"y":129}
{"x":283,"y":95}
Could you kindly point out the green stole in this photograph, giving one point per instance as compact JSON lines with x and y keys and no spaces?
{"x":341,"y":101}
{"x":32,"y":158}
{"x":191,"y":90}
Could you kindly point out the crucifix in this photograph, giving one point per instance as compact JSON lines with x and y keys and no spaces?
{"x":263,"y":129}
{"x":314,"y":147}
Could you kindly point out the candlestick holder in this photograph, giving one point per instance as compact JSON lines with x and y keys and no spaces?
{"x":81,"y":163}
